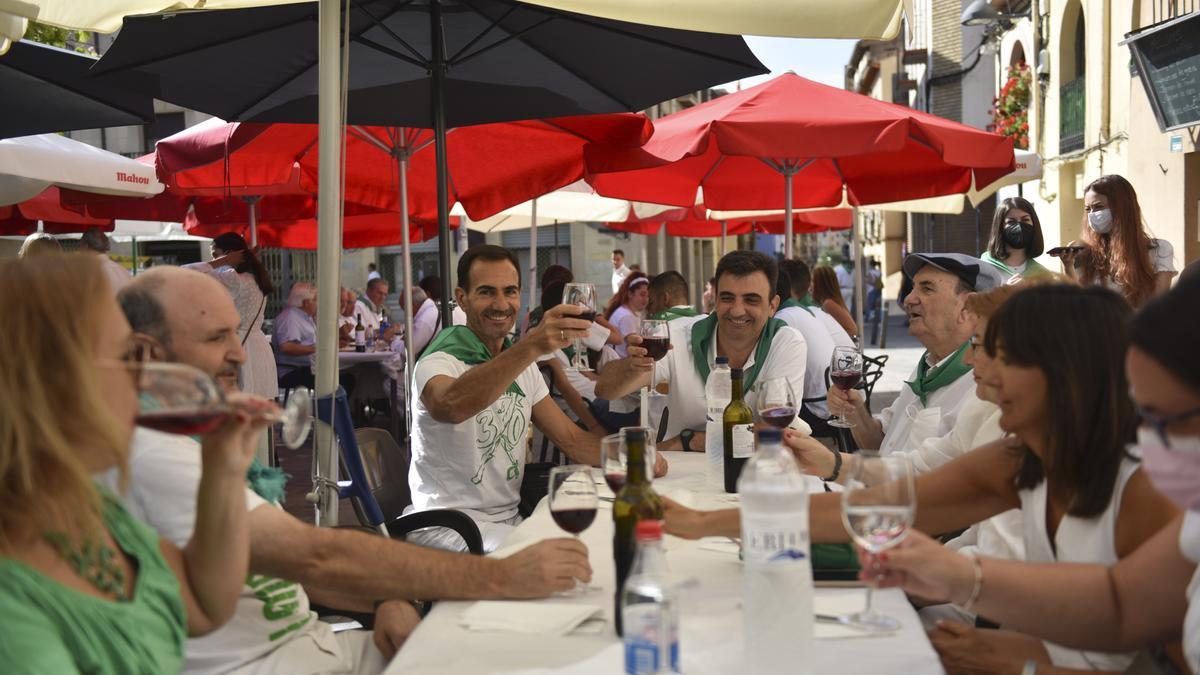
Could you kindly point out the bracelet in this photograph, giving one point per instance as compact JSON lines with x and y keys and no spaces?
{"x":837,"y":467}
{"x":977,"y":588}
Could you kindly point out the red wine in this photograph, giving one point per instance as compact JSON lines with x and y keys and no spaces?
{"x":183,"y":422}
{"x":615,"y":481}
{"x":574,"y":520}
{"x":846,"y":379}
{"x":780,"y":416}
{"x":587,"y":315}
{"x":656,"y":347}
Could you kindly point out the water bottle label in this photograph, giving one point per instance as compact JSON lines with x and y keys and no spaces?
{"x":743,"y":440}
{"x":779,"y":545}
{"x":643,"y":625}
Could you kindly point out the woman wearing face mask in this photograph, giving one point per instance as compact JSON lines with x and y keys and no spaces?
{"x":1064,"y":401}
{"x":626,"y":307}
{"x":1153,"y":595}
{"x":1116,"y":250}
{"x":1016,"y":240}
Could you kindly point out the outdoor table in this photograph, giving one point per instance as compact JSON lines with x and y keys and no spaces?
{"x":711,"y":619}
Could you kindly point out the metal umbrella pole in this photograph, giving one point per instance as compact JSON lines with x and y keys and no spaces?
{"x":533,"y":266}
{"x":724,"y":235}
{"x":252,"y":203}
{"x":437,"y":69}
{"x":856,"y":233}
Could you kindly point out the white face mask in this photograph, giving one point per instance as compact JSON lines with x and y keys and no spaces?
{"x":1100,"y":221}
{"x":1174,"y":471}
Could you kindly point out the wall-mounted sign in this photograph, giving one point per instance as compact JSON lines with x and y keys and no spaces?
{"x":1168,"y":60}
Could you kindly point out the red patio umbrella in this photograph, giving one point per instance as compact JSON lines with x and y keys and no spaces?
{"x":827,"y":144}
{"x":358,"y":230}
{"x":698,"y":224}
{"x":22,"y":218}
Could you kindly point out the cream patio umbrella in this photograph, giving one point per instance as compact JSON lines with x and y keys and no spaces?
{"x":30,"y":164}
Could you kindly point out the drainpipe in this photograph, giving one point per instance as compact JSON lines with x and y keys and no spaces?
{"x":1105,"y":80}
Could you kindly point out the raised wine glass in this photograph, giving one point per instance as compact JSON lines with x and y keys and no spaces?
{"x":878,"y":507}
{"x":573,"y":502}
{"x":776,"y":402}
{"x":178,"y":399}
{"x":583,"y":295}
{"x":845,"y":370}
{"x":656,"y":339}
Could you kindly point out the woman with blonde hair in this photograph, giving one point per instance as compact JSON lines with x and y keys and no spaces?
{"x":828,"y":294}
{"x":84,"y":586}
{"x":1115,"y":250}
{"x":38,"y":243}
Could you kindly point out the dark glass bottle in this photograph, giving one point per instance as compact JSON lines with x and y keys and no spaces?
{"x":635,"y":502}
{"x":738,"y":428}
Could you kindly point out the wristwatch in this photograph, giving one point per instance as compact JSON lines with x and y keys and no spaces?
{"x":685,"y":439}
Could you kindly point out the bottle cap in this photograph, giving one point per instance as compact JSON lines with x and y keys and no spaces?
{"x":649,"y":530}
{"x":634,"y":435}
{"x":770,"y":435}
{"x":735,"y":373}
{"x":722,"y":360}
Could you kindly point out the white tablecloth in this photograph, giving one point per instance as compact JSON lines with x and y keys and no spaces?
{"x":711,"y":621}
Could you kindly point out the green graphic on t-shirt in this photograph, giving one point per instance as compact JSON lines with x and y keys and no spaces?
{"x":280,"y":601}
{"x":502,"y":425}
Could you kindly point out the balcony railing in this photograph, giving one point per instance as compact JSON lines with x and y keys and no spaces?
{"x":1071,"y":116}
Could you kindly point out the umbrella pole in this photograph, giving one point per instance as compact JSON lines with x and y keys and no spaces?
{"x":329,"y":251}
{"x":787,"y":213}
{"x":438,"y":95}
{"x":134,"y":252}
{"x":533,"y":266}
{"x":856,"y":232}
{"x":410,"y":360}
{"x":724,"y":235}
{"x":252,"y":202}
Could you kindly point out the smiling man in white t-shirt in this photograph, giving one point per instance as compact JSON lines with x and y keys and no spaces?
{"x":475,"y":395}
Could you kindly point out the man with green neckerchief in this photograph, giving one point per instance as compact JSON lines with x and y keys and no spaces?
{"x":475,"y":396}
{"x":669,"y":297}
{"x":741,"y":328}
{"x":941,"y":385}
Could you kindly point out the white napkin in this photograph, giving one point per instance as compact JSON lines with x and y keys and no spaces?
{"x":540,"y":618}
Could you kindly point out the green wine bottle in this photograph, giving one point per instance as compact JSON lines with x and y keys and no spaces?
{"x":738,"y":428}
{"x":635,"y":502}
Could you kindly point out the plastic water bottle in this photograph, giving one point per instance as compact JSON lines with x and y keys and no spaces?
{"x":777,"y":601}
{"x":717,"y":394}
{"x":650,"y":608}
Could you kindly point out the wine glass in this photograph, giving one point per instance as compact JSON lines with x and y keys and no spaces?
{"x":178,"y":399}
{"x":612,"y":461}
{"x":776,"y":402}
{"x":878,"y":507}
{"x":845,"y":370}
{"x":656,"y":339}
{"x":583,"y":295}
{"x":573,"y":503}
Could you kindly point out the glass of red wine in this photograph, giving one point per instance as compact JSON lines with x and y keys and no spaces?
{"x":612,"y":462}
{"x":656,"y":339}
{"x":178,"y":399}
{"x":775,"y":402}
{"x":573,"y":502}
{"x":845,"y":370}
{"x":584,"y":296}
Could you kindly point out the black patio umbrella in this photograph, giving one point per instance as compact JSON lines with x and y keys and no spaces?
{"x":47,"y":89}
{"x":422,"y":63}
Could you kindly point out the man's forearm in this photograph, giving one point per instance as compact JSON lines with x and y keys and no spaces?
{"x":620,"y":378}
{"x":867,"y":431}
{"x":297,"y":349}
{"x":482,"y":385}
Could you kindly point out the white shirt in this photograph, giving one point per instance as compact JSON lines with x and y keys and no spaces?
{"x":840,"y":337}
{"x":1162,"y":259}
{"x":619,"y":275}
{"x":459,"y":316}
{"x":425,"y":325}
{"x":845,"y":279}
{"x":475,"y":466}
{"x":293,"y":325}
{"x":164,"y":477}
{"x":118,"y":276}
{"x":787,"y":357}
{"x":1077,"y":540}
{"x":626,"y":323}
{"x":370,"y":317}
{"x":907,"y":424}
{"x":820,"y":354}
{"x":1189,"y":546}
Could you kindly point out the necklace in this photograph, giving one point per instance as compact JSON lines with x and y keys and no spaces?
{"x":94,"y":562}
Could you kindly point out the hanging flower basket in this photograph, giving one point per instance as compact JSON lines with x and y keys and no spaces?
{"x":1010,"y":111}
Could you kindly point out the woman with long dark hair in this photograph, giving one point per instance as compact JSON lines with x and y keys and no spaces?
{"x":1117,"y":252}
{"x":627,"y":305}
{"x":237,"y":267}
{"x":1016,"y":240}
{"x":1065,"y":407}
{"x":828,"y":294}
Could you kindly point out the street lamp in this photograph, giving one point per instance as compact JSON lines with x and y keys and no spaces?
{"x":982,"y":13}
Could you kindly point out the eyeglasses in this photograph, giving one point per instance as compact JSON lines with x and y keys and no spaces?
{"x":1159,"y":423}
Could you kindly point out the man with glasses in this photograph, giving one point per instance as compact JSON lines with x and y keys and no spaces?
{"x":187,"y":317}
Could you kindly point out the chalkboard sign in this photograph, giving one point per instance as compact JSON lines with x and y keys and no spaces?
{"x":1168,"y":60}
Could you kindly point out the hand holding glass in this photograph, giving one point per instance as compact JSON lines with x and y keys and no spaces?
{"x":845,"y":370}
{"x":584,"y":296}
{"x":656,"y":340}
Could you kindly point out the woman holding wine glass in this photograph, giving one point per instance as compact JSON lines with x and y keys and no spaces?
{"x":83,"y":585}
{"x":1065,"y":404}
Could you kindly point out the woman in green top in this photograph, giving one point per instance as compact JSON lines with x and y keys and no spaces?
{"x":1016,"y":239}
{"x":83,"y":586}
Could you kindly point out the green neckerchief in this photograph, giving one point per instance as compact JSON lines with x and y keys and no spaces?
{"x":267,"y":481}
{"x":675,"y":313}
{"x":790,"y":302}
{"x":463,"y":344}
{"x":930,"y":380}
{"x":807,"y":301}
{"x":1032,"y":267}
{"x":703,"y":332}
